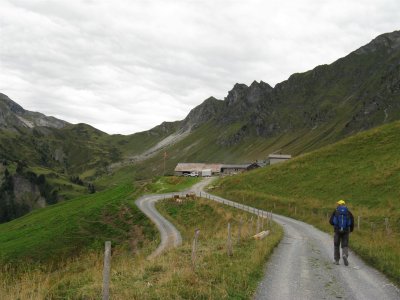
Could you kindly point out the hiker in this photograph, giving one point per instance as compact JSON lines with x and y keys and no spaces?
{"x":342,"y":221}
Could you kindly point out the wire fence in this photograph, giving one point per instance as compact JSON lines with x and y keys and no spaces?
{"x":257,"y":225}
{"x":362,"y":223}
{"x":260,"y":223}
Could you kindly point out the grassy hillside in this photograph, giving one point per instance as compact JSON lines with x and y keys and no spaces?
{"x":204,"y":145}
{"x":76,"y":149}
{"x":62,"y":230}
{"x":65,"y":229}
{"x":85,"y":223}
{"x":363,"y":170}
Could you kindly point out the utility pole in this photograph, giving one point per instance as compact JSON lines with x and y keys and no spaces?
{"x":165,"y":157}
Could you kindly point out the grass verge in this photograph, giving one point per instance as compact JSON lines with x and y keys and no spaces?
{"x":363,"y":170}
{"x":216,"y":275}
{"x":169,"y":184}
{"x":56,"y":252}
{"x":169,"y":276}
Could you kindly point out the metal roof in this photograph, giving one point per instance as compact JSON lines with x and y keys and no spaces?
{"x":280,"y":156}
{"x":197,"y":167}
{"x":242,"y":166}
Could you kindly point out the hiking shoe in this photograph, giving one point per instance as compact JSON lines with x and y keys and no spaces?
{"x":346,"y":262}
{"x":336,"y":262}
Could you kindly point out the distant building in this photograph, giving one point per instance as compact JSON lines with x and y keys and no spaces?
{"x":233,"y":169}
{"x":277,"y":158}
{"x":253,"y":166}
{"x":183,"y":169}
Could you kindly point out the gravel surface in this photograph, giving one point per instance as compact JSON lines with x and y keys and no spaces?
{"x":170,"y":236}
{"x":301,"y":267}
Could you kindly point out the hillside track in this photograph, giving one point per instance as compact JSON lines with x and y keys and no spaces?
{"x":301,"y":267}
{"x":170,"y":236}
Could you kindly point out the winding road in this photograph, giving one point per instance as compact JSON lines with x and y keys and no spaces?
{"x":170,"y":236}
{"x":301,"y":267}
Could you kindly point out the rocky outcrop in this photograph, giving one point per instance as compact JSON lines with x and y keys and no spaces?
{"x":12,"y":116}
{"x":203,"y":113}
{"x":27,"y":193}
{"x":388,"y":42}
{"x":22,"y":192}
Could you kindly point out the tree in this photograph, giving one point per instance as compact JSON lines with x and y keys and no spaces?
{"x":21,"y":165}
{"x":91,"y":188}
{"x":76,"y":180}
{"x":41,"y":179}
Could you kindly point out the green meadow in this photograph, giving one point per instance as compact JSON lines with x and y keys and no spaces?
{"x":364,"y":170}
{"x":63,"y":230}
{"x":58,"y":249}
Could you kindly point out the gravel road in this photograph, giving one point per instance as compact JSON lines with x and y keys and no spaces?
{"x":170,"y":236}
{"x":301,"y":267}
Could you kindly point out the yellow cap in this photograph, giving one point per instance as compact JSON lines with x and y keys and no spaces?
{"x":341,"y":202}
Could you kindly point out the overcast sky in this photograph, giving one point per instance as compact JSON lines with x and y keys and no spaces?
{"x":125,"y":66}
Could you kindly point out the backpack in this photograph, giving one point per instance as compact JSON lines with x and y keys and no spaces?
{"x":341,"y":219}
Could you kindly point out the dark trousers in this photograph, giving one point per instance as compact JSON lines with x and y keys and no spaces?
{"x":341,"y":238}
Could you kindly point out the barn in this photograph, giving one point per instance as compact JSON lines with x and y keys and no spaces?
{"x":234,"y":169}
{"x":277,"y":158}
{"x":183,"y":169}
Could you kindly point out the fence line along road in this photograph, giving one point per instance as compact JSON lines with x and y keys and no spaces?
{"x":170,"y":236}
{"x":302,"y":265}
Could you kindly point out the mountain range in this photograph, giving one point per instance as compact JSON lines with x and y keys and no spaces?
{"x":13,"y":117}
{"x":303,"y":113}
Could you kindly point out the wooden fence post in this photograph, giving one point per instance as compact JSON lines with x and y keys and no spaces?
{"x":387,"y":225}
{"x":270,"y":224}
{"x":194,"y":248}
{"x":251,"y":227}
{"x":229,"y":243}
{"x":258,"y":225}
{"x":106,"y":271}
{"x":262,"y":221}
{"x":295,"y":210}
{"x":240,"y":229}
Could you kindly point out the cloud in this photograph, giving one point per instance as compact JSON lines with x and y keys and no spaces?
{"x":126,"y":66}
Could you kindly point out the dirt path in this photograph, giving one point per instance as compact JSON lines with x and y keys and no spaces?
{"x":170,"y":236}
{"x":301,"y":267}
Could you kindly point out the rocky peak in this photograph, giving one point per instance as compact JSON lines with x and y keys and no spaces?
{"x":238,"y":92}
{"x":14,"y":107}
{"x":257,"y":91}
{"x":203,"y":113}
{"x":242,"y":93}
{"x":13,"y":115}
{"x":389,"y":41}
